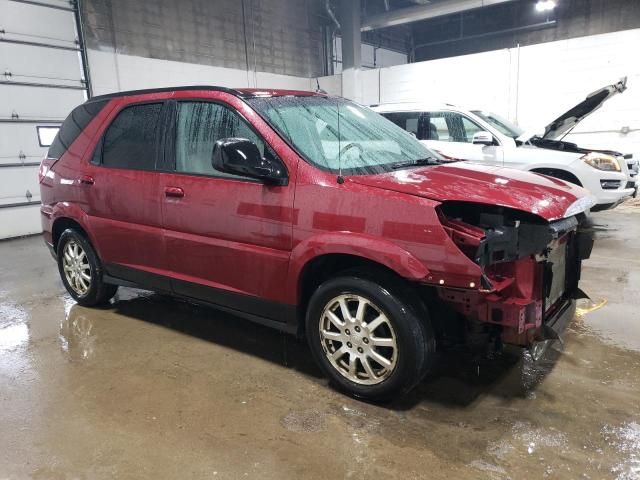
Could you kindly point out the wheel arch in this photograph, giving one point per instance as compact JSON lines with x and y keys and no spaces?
{"x":322,"y":257}
{"x":69,"y":216}
{"x":60,"y":225}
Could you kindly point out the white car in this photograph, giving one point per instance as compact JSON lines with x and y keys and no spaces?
{"x":483,"y":137}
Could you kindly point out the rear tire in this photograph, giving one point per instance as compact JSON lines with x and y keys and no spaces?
{"x":372,"y":339}
{"x":81,"y":270}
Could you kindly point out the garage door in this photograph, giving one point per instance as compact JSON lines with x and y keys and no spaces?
{"x":41,"y":80}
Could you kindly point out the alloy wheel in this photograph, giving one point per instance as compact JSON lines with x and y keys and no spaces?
{"x":358,"y":339}
{"x":77,"y":270}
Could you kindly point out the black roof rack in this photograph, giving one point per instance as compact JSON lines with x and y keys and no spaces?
{"x":130,"y":93}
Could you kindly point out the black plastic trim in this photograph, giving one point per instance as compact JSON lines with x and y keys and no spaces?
{"x":280,"y":316}
{"x":131,"y":93}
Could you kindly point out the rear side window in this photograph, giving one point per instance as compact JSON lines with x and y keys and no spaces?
{"x":131,"y":139}
{"x":77,"y":120}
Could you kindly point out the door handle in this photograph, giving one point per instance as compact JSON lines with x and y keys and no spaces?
{"x":173,"y":192}
{"x":86,"y":180}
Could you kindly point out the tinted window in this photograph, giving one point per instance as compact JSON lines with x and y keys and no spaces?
{"x":77,"y":120}
{"x":199,"y":126}
{"x":406,"y":120}
{"x":449,"y":127}
{"x":130,"y":141}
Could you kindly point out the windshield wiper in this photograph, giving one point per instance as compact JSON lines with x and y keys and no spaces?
{"x":417,"y":162}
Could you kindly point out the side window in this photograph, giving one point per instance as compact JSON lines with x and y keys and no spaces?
{"x":199,"y":126}
{"x":450,"y":127}
{"x":470,"y":128}
{"x":436,"y":128}
{"x":131,"y":139}
{"x":73,"y":125}
{"x":406,"y":120}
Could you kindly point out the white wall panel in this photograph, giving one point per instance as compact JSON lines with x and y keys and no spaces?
{"x":20,"y":137}
{"x":369,"y":86}
{"x":27,"y":63}
{"x":20,"y":221}
{"x":116,"y":72}
{"x":531,"y":85}
{"x":23,"y":21}
{"x":273,"y":80}
{"x":39,"y":60}
{"x":16,"y":181}
{"x":331,"y":84}
{"x":480,"y":80}
{"x":38,"y":102}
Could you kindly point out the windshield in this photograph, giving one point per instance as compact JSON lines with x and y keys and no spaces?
{"x":504,"y":126}
{"x":331,"y":132}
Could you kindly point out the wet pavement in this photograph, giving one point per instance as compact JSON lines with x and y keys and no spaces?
{"x":156,"y":388}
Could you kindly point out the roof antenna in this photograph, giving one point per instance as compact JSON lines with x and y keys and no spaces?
{"x":318,"y":89}
{"x":340,"y":178}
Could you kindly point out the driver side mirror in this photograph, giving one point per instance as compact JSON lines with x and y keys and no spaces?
{"x":241,"y":156}
{"x":482,"y":138}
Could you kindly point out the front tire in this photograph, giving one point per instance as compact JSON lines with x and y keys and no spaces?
{"x":374,"y":341}
{"x":81,"y":270}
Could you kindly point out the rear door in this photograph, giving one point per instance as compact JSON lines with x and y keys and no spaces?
{"x":123,"y":194}
{"x":228,"y":237}
{"x":451,"y":134}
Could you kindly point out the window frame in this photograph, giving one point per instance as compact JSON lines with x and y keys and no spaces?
{"x":169,"y":147}
{"x":158,"y":144}
{"x":481,"y":127}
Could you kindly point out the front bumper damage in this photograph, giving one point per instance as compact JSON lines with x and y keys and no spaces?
{"x":530,"y":272}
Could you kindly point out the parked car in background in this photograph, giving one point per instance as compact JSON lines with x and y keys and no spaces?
{"x":484,"y":137}
{"x":313,"y":215}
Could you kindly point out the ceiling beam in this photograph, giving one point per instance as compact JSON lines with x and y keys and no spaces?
{"x":423,"y":12}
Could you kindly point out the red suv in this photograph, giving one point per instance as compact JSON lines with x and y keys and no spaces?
{"x":313,"y":215}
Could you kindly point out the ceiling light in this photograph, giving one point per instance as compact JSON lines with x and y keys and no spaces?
{"x":545,"y":5}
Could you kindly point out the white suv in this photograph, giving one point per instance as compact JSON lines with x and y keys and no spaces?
{"x":483,"y":137}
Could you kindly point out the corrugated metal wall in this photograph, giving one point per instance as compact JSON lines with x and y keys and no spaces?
{"x":276,"y":36}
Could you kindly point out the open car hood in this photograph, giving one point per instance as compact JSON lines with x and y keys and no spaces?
{"x":547,"y":197}
{"x":568,"y":120}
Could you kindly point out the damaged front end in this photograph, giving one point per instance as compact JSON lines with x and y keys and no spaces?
{"x":530,"y":269}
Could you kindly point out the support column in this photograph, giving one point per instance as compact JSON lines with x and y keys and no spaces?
{"x":349,"y":15}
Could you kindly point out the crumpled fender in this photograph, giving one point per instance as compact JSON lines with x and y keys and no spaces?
{"x":369,"y":247}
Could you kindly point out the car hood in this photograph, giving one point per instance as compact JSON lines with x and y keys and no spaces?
{"x":541,"y":195}
{"x":568,"y":120}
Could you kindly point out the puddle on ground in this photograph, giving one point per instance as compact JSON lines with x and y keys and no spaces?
{"x":14,"y":331}
{"x":625,"y":439}
{"x":77,"y":337}
{"x":305,"y":421}
{"x":615,"y":323}
{"x":586,"y":305}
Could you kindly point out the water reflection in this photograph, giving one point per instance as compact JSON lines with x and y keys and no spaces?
{"x":13,"y":336}
{"x":14,"y":331}
{"x":77,"y":335}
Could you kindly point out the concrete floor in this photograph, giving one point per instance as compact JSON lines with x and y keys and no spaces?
{"x":157,"y":388}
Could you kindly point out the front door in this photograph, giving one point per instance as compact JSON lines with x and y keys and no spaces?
{"x":228,"y":237}
{"x":451,"y":134}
